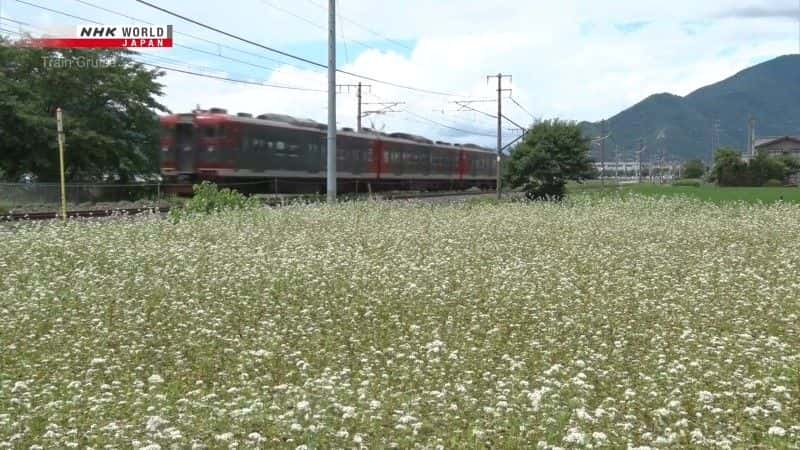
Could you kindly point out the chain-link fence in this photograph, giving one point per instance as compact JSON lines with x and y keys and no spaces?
{"x":15,"y":194}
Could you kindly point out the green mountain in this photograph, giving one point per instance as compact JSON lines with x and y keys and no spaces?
{"x":683,"y":126}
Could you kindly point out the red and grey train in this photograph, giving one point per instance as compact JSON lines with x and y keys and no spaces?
{"x":278,"y":153}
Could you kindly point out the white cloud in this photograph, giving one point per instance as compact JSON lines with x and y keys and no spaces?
{"x":569,"y":58}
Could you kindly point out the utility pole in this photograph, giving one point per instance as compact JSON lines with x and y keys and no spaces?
{"x":603,"y":152}
{"x":639,"y":160}
{"x":751,"y":136}
{"x":331,"y":170}
{"x":715,"y":128}
{"x":358,"y":87}
{"x":358,"y":111}
{"x":500,"y":90}
{"x":60,"y":129}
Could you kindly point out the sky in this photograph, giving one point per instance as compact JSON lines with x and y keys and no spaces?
{"x":571,"y":59}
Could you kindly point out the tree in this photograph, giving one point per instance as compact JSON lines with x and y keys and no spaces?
{"x":552,"y":153}
{"x":109,"y":108}
{"x":729,"y":169}
{"x":792,"y":164}
{"x":763,"y":168}
{"x":694,"y":168}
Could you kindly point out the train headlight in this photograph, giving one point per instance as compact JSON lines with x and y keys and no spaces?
{"x":164,"y":149}
{"x":210,"y":148}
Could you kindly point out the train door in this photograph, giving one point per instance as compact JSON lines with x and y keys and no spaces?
{"x":377,"y":161}
{"x":463,"y":164}
{"x":184,"y":146}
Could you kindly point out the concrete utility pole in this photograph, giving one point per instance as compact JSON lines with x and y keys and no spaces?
{"x":331,"y":170}
{"x":639,"y":160}
{"x":500,"y":90}
{"x":358,"y":112}
{"x":751,"y":136}
{"x":603,"y":152}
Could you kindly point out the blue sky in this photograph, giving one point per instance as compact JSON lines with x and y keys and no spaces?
{"x":573,"y":59}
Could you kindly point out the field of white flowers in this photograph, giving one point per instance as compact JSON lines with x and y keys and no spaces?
{"x":602,"y":324}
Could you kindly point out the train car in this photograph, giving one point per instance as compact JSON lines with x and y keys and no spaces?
{"x":278,"y":153}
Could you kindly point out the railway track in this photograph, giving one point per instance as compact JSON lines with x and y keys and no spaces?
{"x":98,"y":213}
{"x":49,"y":215}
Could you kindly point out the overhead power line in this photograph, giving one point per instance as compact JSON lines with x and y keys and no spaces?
{"x":367,"y":29}
{"x":192,"y":72}
{"x":522,"y":107}
{"x":187,"y":47}
{"x":232,"y":80}
{"x":289,"y":55}
{"x":19,"y":22}
{"x":311,"y":22}
{"x":201,"y":39}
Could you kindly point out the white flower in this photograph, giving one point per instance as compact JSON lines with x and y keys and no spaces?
{"x":705,"y":397}
{"x":224,"y":437}
{"x":599,"y":436}
{"x":776,"y":431}
{"x":575,"y":436}
{"x":303,"y":405}
{"x":155,"y":379}
{"x":154,"y":423}
{"x":255,"y":437}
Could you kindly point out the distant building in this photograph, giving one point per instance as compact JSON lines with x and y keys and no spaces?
{"x":784,"y":145}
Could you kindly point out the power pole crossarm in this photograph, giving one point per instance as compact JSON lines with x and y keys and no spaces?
{"x":359,"y":96}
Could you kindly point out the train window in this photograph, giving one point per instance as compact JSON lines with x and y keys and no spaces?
{"x":270,"y":145}
{"x":280,"y":145}
{"x":215,"y":131}
{"x":167,"y":130}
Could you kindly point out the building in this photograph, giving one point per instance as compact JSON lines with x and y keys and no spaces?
{"x":784,"y":145}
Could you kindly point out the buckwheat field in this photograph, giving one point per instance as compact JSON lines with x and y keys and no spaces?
{"x":638,"y":323}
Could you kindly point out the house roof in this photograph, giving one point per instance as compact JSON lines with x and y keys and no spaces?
{"x":772,"y":140}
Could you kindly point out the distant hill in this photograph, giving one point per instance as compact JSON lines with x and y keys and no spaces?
{"x":770,"y":92}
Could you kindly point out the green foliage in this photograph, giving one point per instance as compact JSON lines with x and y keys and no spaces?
{"x":4,"y":208}
{"x":694,"y":168}
{"x":688,"y":182}
{"x":109,"y":108}
{"x":731,"y":170}
{"x":553,"y":152}
{"x":773,"y":183}
{"x":208,"y":199}
{"x":764,"y":168}
{"x":792,"y":163}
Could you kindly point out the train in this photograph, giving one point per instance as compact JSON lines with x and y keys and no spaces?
{"x":283,"y":154}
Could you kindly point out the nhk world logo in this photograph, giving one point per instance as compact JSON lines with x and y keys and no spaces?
{"x":112,"y":36}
